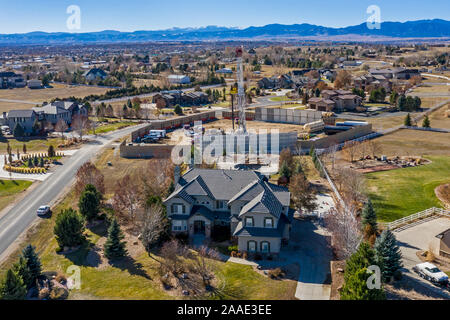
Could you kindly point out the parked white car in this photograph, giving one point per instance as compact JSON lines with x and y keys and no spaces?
{"x":431,"y":273}
{"x":43,"y":210}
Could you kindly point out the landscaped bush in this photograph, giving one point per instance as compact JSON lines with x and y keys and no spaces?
{"x":24,"y":170}
{"x":276,"y":273}
{"x":245,"y":256}
{"x":233,"y":248}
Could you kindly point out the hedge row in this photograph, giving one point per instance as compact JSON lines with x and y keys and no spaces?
{"x":24,"y":170}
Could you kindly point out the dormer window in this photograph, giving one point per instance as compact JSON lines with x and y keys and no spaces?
{"x":268,"y":223}
{"x":178,"y":208}
{"x":249,"y":222}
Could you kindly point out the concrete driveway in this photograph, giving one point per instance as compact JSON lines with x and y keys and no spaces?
{"x":309,"y":247}
{"x":418,"y":237}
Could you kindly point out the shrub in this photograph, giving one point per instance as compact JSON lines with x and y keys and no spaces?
{"x":232,"y":248}
{"x":245,"y":256}
{"x":43,"y":293}
{"x":276,"y":273}
{"x":58,"y":293}
{"x":60,"y":278}
{"x":233,"y":254}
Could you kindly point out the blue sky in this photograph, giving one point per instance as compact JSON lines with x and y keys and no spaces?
{"x":21,"y":16}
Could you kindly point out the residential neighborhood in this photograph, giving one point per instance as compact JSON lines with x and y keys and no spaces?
{"x":261,"y":166}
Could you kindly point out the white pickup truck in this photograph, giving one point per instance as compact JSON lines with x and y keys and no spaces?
{"x":431,"y":273}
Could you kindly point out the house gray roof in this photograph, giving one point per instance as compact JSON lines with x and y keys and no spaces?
{"x":50,"y":109}
{"x":223,"y":184}
{"x":21,"y":113}
{"x":265,"y":202}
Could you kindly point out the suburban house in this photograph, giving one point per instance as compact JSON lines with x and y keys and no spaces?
{"x":95,"y":74}
{"x":444,"y":244}
{"x":281,"y":82}
{"x":174,"y":97}
{"x":53,"y":113}
{"x":395,"y":73}
{"x":25,"y":118}
{"x":375,"y":81}
{"x":335,"y":100}
{"x":225,"y":71}
{"x":11,"y":80}
{"x":179,"y":79}
{"x":73,"y":107}
{"x":254,"y":211}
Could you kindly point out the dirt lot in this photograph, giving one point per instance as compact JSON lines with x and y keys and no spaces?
{"x":439,"y":118}
{"x":255,"y":125}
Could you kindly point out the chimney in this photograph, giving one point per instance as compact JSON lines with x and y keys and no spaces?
{"x":176,"y":175}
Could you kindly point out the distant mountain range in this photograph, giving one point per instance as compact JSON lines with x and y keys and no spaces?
{"x":436,"y":28}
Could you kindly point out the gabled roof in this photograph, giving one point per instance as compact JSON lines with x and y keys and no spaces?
{"x":21,"y":113}
{"x":264,"y":202}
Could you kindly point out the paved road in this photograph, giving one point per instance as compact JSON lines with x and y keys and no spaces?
{"x":417,"y":237}
{"x":23,"y":214}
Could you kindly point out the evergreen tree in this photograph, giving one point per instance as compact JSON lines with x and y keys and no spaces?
{"x":408,"y":120}
{"x":178,"y":110}
{"x":18,"y":131}
{"x":51,"y":151}
{"x":356,"y":276}
{"x":89,"y":205}
{"x":30,"y":163}
{"x":12,"y":287}
{"x":22,"y":269}
{"x":114,"y":247}
{"x":426,"y":122}
{"x":92,"y":188}
{"x":33,"y":262}
{"x":41,"y":162}
{"x":284,"y":170}
{"x":401,"y":103}
{"x":69,"y":228}
{"x":369,"y":217}
{"x":35,"y":161}
{"x":388,"y":254}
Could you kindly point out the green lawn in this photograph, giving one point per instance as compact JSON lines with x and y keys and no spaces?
{"x":112,"y":127}
{"x":402,"y":192}
{"x":280,"y":98}
{"x":9,"y":190}
{"x":33,"y":145}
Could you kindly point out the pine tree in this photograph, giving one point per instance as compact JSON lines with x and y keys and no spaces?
{"x":369,"y":218}
{"x":30,"y":163}
{"x":114,"y":247}
{"x":12,"y":287}
{"x":388,"y":254}
{"x":426,"y":122}
{"x":356,"y":275}
{"x":33,"y":262}
{"x":69,"y":228}
{"x":89,"y":204}
{"x":22,"y":269}
{"x":408,"y":120}
{"x":284,"y":170}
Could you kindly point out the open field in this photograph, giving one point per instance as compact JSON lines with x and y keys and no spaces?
{"x":433,"y":88}
{"x":33,"y":145}
{"x":415,"y":143}
{"x":9,"y":189}
{"x":40,"y":95}
{"x":439,"y":118}
{"x":254,"y":125}
{"x":402,"y":192}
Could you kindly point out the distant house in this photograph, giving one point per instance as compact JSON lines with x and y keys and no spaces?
{"x":267,"y":83}
{"x":95,"y":74}
{"x":444,"y":244}
{"x":179,"y":79}
{"x":225,"y":71}
{"x":284,"y":81}
{"x":34,"y":84}
{"x":194,"y":98}
{"x":335,"y":100}
{"x":25,"y":118}
{"x":73,"y":107}
{"x":395,"y":73}
{"x":11,"y":80}
{"x":253,"y":210}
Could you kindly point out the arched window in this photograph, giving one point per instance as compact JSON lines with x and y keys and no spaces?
{"x":251,"y":246}
{"x":265,"y":247}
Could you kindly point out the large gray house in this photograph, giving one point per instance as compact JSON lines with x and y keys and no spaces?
{"x":25,"y":118}
{"x":256,"y":211}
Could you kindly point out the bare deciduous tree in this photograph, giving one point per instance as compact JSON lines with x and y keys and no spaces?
{"x":154,"y":225}
{"x":61,"y":127}
{"x":126,"y":199}
{"x":374,"y":147}
{"x":80,"y":124}
{"x":156,"y":178}
{"x":345,"y":230}
{"x":302,"y":195}
{"x":202,"y":264}
{"x":89,"y":174}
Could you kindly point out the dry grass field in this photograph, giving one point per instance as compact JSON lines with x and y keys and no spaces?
{"x":415,"y":143}
{"x":38,"y":96}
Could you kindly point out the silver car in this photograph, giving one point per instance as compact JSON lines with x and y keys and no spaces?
{"x":43,"y":210}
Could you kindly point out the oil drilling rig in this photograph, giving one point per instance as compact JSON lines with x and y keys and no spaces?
{"x":241,"y":99}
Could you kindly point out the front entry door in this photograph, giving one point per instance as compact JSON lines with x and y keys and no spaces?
{"x":199,"y":227}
